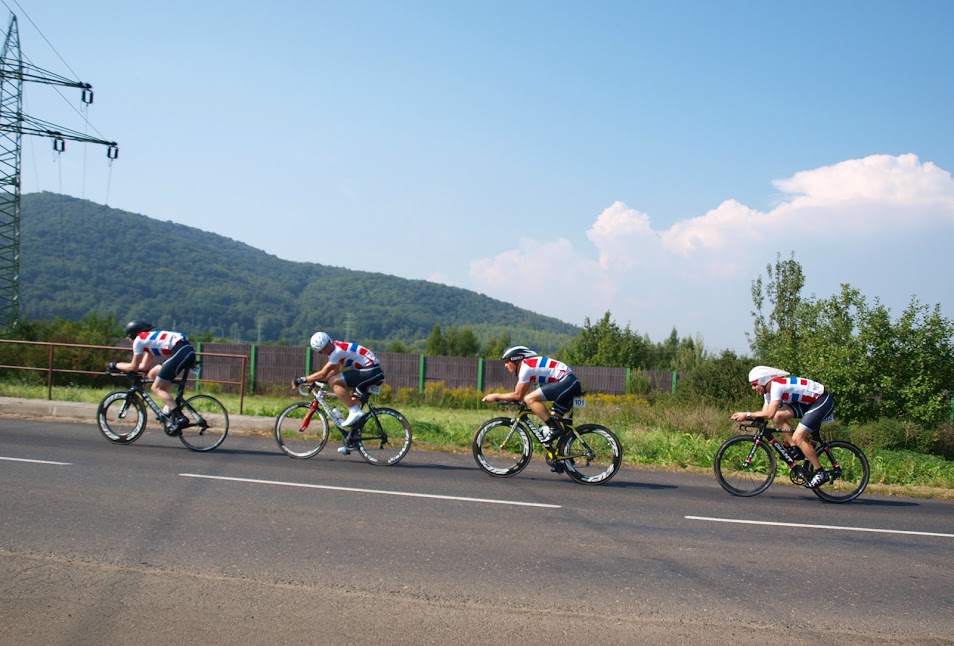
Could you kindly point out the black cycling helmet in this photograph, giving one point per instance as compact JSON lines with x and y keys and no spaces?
{"x":517,"y":353}
{"x":135,"y":327}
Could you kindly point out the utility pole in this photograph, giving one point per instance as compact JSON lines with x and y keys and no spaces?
{"x":13,"y":125}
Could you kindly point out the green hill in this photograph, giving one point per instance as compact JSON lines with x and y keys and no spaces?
{"x":78,"y":257}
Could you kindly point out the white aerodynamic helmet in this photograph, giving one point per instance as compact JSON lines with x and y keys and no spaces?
{"x":761,"y":375}
{"x":319,"y":340}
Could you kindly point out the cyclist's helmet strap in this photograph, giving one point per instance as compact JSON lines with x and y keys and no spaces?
{"x":761,"y":375}
{"x":134,"y":327}
{"x":517,"y":353}
{"x":319,"y":340}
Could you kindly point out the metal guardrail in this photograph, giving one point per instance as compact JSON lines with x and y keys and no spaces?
{"x":50,"y":369}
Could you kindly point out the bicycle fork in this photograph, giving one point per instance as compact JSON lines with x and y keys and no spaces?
{"x":311,"y":412}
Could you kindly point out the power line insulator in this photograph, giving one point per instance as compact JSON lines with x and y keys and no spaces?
{"x":59,"y":145}
{"x":112,"y":152}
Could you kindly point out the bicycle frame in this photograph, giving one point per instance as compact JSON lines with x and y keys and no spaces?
{"x":523,"y":415}
{"x":764,"y":434}
{"x":139,"y":381}
{"x":316,"y":390}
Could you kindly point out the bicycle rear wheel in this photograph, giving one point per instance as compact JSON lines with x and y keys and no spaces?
{"x":592,"y":455}
{"x":849,"y":469}
{"x":501,"y":448}
{"x":208,"y":423}
{"x":744,"y":468}
{"x":384,"y":437}
{"x":121,"y":417}
{"x":300,"y":432}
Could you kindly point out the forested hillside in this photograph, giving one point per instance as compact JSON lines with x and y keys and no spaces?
{"x":78,"y":257}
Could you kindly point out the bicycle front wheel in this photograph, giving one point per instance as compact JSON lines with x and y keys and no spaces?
{"x":502,"y":447}
{"x":121,"y":417}
{"x":208,"y":423}
{"x":592,"y":455}
{"x":385,"y":437}
{"x":301,"y":432}
{"x":849,"y":471}
{"x":744,"y":468}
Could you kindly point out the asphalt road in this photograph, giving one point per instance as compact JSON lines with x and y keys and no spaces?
{"x":154,"y":544}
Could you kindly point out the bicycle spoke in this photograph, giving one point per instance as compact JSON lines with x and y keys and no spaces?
{"x":208,"y":423}
{"x":385,"y":437}
{"x":592,"y":455}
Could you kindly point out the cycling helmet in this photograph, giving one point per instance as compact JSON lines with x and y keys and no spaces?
{"x":761,"y":375}
{"x":133,"y":328}
{"x":517,"y":353}
{"x":319,"y":340}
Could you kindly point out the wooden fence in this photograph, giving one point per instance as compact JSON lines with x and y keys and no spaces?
{"x":275,"y":367}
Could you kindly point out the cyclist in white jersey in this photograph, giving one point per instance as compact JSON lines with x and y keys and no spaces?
{"x":786,"y":398}
{"x":175,"y":355}
{"x":365,"y":371}
{"x":557,"y":384}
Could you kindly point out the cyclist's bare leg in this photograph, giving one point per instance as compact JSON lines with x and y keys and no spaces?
{"x":801,"y":439}
{"x":160,"y":387}
{"x":343,"y":392}
{"x":783,"y":422}
{"x":537,"y":405}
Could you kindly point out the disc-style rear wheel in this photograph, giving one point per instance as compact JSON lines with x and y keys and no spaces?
{"x":744,"y":468}
{"x":208,"y":423}
{"x":592,"y":456}
{"x":849,"y":471}
{"x":121,"y":417}
{"x":300,"y":431}
{"x":385,"y":437}
{"x":501,"y":448}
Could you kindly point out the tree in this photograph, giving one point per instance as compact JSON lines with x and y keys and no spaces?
{"x":435,"y":346}
{"x":776,"y":337}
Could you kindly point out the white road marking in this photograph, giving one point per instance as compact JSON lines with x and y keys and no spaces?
{"x":65,"y":464}
{"x":847,"y":529}
{"x":377,"y":491}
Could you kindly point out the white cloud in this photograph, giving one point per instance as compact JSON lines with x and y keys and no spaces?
{"x":847,"y":219}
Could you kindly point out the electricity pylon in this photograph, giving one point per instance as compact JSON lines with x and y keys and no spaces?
{"x":13,"y":125}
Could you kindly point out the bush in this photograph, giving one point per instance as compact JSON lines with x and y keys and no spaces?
{"x":895,"y":435}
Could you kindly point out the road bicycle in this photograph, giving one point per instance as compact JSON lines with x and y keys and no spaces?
{"x":589,"y":454}
{"x":745,"y":465}
{"x":382,"y":435}
{"x":121,"y":415}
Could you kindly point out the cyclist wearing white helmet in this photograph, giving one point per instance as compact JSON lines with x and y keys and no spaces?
{"x":787,"y":398}
{"x":350,"y":367}
{"x":174,"y":354}
{"x":557,"y":384}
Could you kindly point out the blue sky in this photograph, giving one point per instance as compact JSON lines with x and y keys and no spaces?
{"x":643,"y":158}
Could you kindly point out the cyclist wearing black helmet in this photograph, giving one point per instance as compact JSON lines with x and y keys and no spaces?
{"x":175,"y":354}
{"x":557,"y":384}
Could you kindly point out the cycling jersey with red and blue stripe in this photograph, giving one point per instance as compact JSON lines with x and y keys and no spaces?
{"x":541,"y":370}
{"x":352,"y":355}
{"x":160,"y":343}
{"x":794,"y":390}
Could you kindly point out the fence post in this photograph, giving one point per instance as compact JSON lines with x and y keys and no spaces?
{"x":629,"y":373}
{"x":308,"y":369}
{"x":675,"y":376}
{"x":420,"y":374}
{"x":198,"y":353}
{"x":480,"y":374}
{"x":253,"y":361}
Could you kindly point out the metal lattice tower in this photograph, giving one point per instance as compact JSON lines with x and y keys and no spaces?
{"x":13,"y":125}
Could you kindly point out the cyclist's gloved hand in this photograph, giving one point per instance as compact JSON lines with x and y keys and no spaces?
{"x":299,"y":381}
{"x":111,"y":366}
